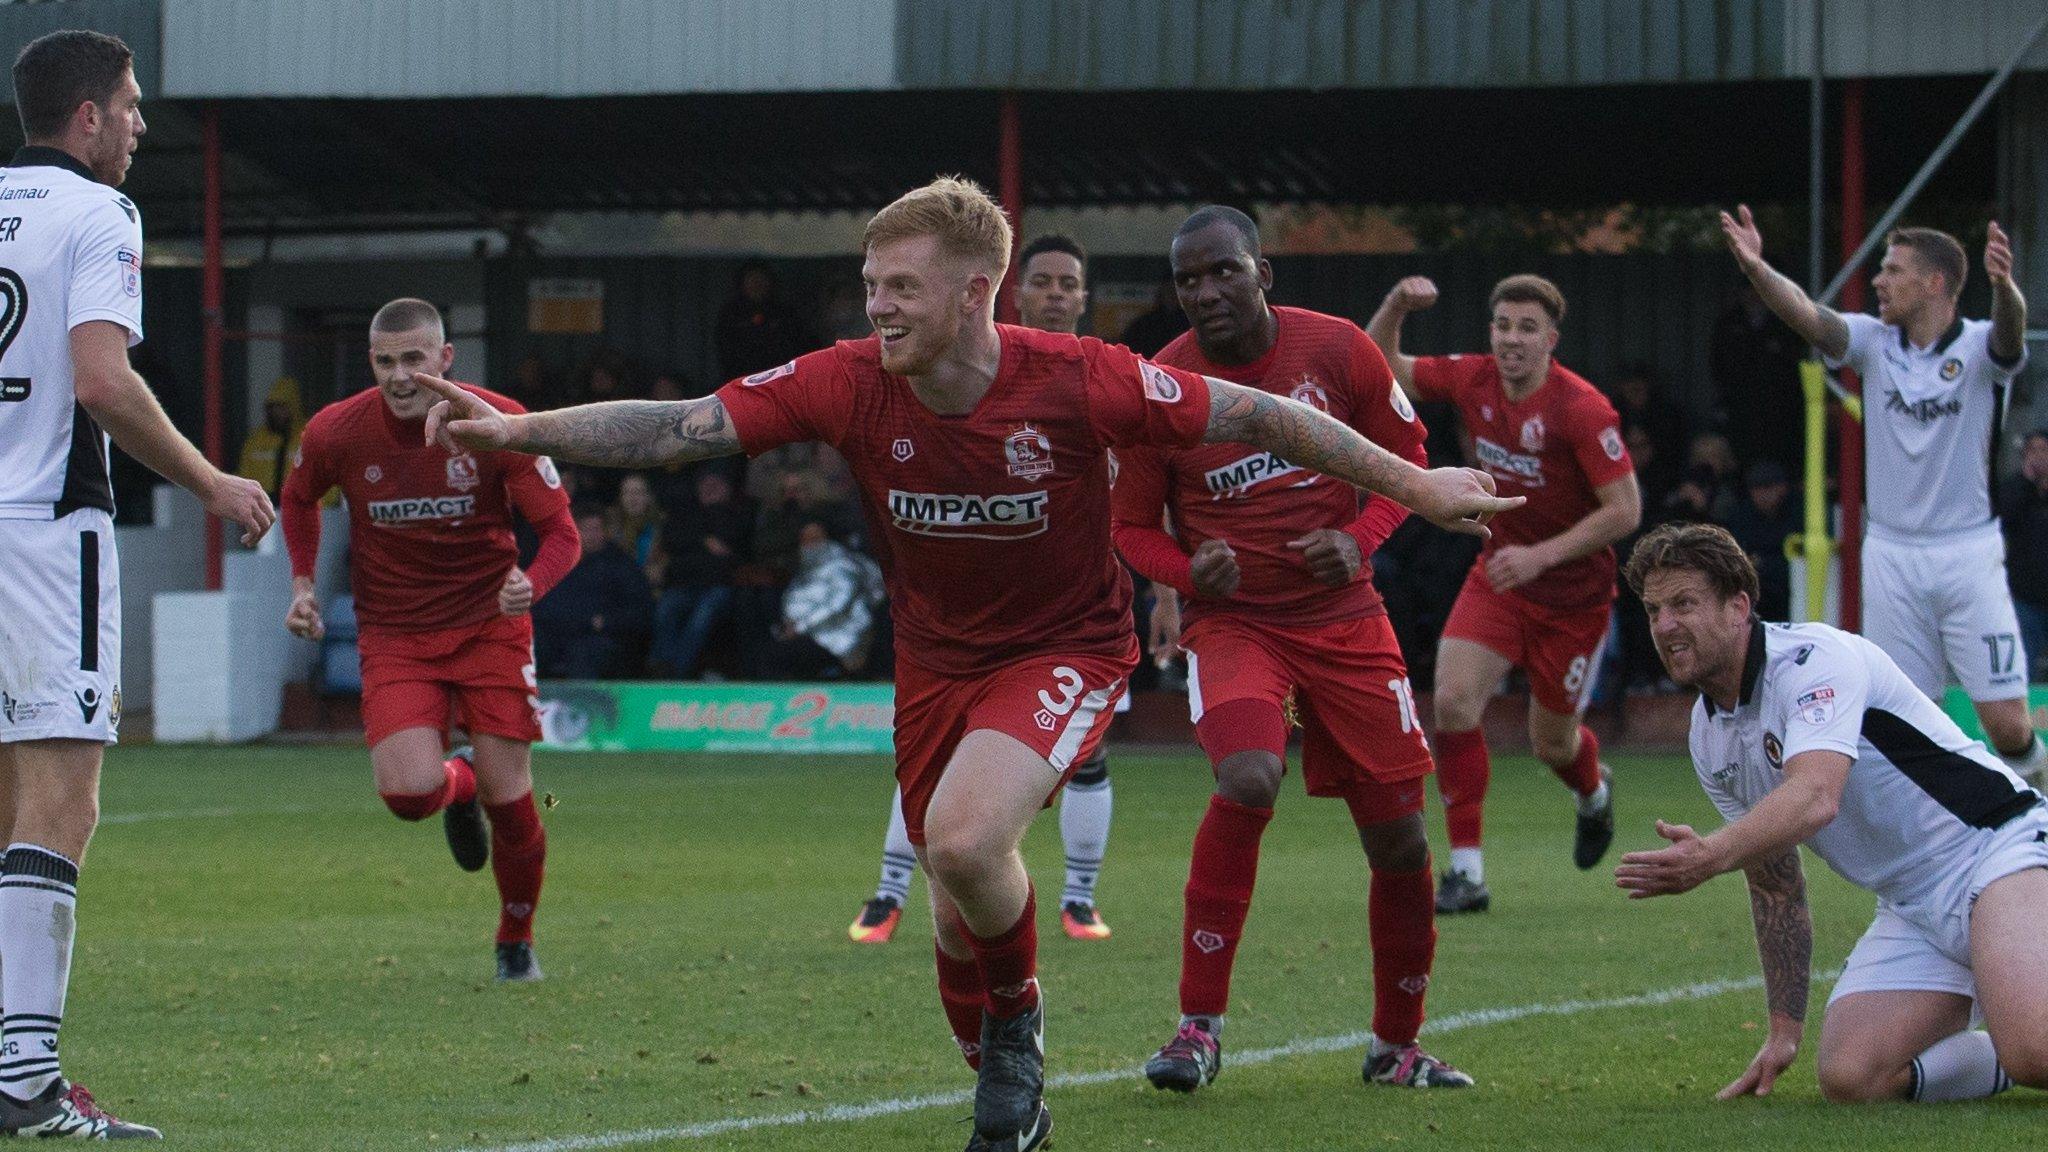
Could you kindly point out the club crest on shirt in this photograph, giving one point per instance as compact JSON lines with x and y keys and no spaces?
{"x":462,"y":475}
{"x":1951,"y":368}
{"x":902,"y":449}
{"x":1029,"y":453}
{"x":1774,"y":751}
{"x":1311,"y":393}
{"x":1532,"y":434}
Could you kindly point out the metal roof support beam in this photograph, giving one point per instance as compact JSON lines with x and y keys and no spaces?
{"x":1010,"y":190}
{"x":213,"y":296}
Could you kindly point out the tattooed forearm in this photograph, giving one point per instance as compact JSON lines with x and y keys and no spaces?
{"x":1784,"y":932}
{"x":629,"y":433}
{"x":1303,"y":436}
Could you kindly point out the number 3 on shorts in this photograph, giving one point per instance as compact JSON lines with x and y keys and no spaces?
{"x":1068,"y":682}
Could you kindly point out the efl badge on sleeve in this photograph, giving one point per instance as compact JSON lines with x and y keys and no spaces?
{"x":1159,"y":383}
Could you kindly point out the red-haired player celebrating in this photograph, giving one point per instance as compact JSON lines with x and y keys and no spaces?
{"x":981,"y":452}
{"x":1273,"y":567}
{"x":442,"y":605}
{"x":1541,"y":594}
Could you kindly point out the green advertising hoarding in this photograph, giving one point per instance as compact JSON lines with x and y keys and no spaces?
{"x":1957,"y":705}
{"x":636,"y":716}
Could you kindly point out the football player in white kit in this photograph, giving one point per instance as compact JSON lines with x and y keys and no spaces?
{"x":1806,"y":734}
{"x":70,"y":307}
{"x":1934,"y":398}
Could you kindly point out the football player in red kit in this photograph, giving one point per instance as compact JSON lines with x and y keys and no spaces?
{"x":981,"y":454}
{"x":442,"y":608}
{"x":1541,"y":593}
{"x":1273,"y":567}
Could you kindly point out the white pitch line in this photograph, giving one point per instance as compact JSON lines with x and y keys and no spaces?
{"x":1477,"y":1018}
{"x":201,"y":814}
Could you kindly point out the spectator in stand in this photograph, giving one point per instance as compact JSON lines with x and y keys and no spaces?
{"x":1707,"y":491}
{"x":829,"y":612}
{"x":533,"y":384}
{"x":2024,"y":513}
{"x":269,"y":452}
{"x":594,"y":625}
{"x":1755,"y":362}
{"x":1640,"y":408}
{"x":635,"y":523}
{"x":704,"y":542}
{"x":757,"y":329}
{"x":801,"y":499}
{"x":844,"y":315}
{"x":1657,"y":471}
{"x":1762,"y":518}
{"x":1148,"y":332}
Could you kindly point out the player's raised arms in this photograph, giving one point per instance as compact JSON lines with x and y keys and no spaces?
{"x":614,"y":434}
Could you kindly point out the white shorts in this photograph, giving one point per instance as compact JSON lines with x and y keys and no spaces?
{"x":1944,"y":607}
{"x":1932,"y":953}
{"x":60,"y":629}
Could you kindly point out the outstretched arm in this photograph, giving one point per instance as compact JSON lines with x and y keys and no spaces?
{"x":1459,"y":499}
{"x":1819,"y":325}
{"x":1784,"y":943}
{"x":2008,"y":307}
{"x":1411,"y":295}
{"x":614,"y":434}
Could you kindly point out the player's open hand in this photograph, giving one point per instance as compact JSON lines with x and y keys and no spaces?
{"x":1688,"y":863}
{"x":1744,"y":240}
{"x":461,"y":420}
{"x":241,"y":501}
{"x":1998,"y":257}
{"x":303,"y":620}
{"x":1512,"y":566}
{"x":1332,"y":557}
{"x":1460,"y":500}
{"x":1770,"y":1063}
{"x":1162,"y":637}
{"x":515,"y":595}
{"x":1413,"y":294}
{"x":1214,"y":570}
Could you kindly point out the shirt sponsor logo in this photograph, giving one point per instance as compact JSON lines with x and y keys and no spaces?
{"x":548,"y":475}
{"x":760,"y":378}
{"x":1239,"y":477}
{"x":1532,"y":434}
{"x":19,"y":711}
{"x":1610,"y":443}
{"x":1922,"y":411}
{"x":1029,"y":453}
{"x":417,"y":510}
{"x":902,"y":449}
{"x":462,"y":472}
{"x":1524,"y":470}
{"x":1311,"y":393}
{"x":23,"y":193}
{"x":1008,"y":517}
{"x":1159,"y":383}
{"x":131,"y":270}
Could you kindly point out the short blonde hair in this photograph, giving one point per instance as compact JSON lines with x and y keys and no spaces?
{"x":967,"y":221}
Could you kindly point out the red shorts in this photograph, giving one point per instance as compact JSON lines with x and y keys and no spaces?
{"x":479,"y":674}
{"x":1558,"y":647}
{"x":1361,"y":738}
{"x":1059,"y":705}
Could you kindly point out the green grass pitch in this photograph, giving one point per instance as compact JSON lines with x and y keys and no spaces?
{"x":267,"y":960}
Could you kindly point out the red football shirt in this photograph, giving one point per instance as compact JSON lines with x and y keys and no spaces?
{"x":1554,"y":446}
{"x":992,"y":527}
{"x":1256,"y":502}
{"x":430,"y":534}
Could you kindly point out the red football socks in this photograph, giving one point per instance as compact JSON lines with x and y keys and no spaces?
{"x":1462,"y":772}
{"x":1009,"y":964}
{"x":1582,"y":775}
{"x":961,"y":993}
{"x":1218,"y":896}
{"x":519,"y":853}
{"x":1401,"y":912}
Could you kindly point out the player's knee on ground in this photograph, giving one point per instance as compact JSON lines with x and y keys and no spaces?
{"x":1250,"y":778}
{"x":1851,"y":1078}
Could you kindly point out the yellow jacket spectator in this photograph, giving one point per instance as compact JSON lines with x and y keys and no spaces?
{"x":269,"y":451}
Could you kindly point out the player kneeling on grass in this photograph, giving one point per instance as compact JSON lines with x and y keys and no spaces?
{"x":443,"y":608}
{"x":1805,"y":734}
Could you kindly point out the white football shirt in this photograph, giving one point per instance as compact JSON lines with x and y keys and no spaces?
{"x":1921,"y":796}
{"x":70,"y":252}
{"x":1931,"y":422}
